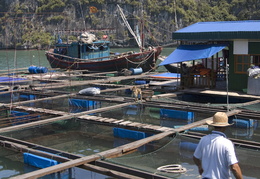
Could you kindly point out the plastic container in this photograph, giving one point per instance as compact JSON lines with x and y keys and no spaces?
{"x":136,"y":71}
{"x":140,"y":82}
{"x":243,"y":123}
{"x":32,"y":69}
{"x":38,"y":161}
{"x":176,"y":114}
{"x":36,"y":69}
{"x":42,"y":70}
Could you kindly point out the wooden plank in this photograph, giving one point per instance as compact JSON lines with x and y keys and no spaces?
{"x":166,"y":95}
{"x":88,"y":117}
{"x":121,"y":150}
{"x":135,"y":124}
{"x":124,"y":88}
{"x":248,"y":103}
{"x":163,"y":129}
{"x":140,"y":125}
{"x":118,"y":121}
{"x":102,"y":119}
{"x":100,"y":163}
{"x":43,"y":99}
{"x":23,"y":148}
{"x":110,"y":120}
{"x":125,"y":123}
{"x":68,"y":116}
{"x":106,"y":154}
{"x":108,"y":80}
{"x":202,"y":122}
{"x":148,"y":126}
{"x":165,"y":83}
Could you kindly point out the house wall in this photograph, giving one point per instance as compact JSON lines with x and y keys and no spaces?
{"x":238,"y":82}
{"x":254,"y":48}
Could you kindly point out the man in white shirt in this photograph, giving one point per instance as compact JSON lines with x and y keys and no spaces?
{"x":215,"y":154}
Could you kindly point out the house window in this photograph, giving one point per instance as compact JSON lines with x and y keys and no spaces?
{"x":256,"y":60}
{"x":243,"y":62}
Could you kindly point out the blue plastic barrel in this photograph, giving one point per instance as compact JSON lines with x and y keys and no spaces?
{"x":32,"y":69}
{"x":136,"y":71}
{"x":140,"y":82}
{"x":35,"y":69}
{"x":42,"y":70}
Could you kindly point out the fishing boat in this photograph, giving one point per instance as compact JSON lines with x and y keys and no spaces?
{"x":89,"y":53}
{"x":96,"y":56}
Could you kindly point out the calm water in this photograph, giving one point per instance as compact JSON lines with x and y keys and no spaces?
{"x":84,"y":139}
{"x":10,"y":59}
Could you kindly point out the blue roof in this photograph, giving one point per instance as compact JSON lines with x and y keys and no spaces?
{"x":192,"y":52}
{"x":223,"y":26}
{"x":220,"y":30}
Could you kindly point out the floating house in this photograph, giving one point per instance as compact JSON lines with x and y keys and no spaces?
{"x":217,"y":45}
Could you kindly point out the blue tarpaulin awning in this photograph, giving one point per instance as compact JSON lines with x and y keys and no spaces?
{"x":192,"y":52}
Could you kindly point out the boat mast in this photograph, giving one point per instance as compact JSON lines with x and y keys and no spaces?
{"x":129,"y":27}
{"x":142,"y":26}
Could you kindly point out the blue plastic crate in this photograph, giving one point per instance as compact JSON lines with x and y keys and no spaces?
{"x":81,"y":103}
{"x":129,"y":134}
{"x":169,"y":113}
{"x":38,"y":161}
{"x":243,"y":123}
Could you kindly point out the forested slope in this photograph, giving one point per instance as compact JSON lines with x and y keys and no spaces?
{"x":32,"y":23}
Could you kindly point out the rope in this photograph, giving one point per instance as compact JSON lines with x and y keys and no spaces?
{"x":143,"y":61}
{"x":173,"y":168}
{"x":128,"y":26}
{"x":101,"y":156}
{"x":147,"y":154}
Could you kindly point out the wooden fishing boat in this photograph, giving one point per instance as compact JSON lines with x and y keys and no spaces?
{"x":96,"y":56}
{"x":88,"y":53}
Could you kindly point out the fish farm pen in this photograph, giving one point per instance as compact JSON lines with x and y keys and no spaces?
{"x":83,"y":124}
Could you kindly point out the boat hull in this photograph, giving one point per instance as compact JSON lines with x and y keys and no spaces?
{"x":146,"y":60}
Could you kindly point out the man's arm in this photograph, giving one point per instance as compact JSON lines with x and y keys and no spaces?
{"x":236,"y":171}
{"x":198,"y":163}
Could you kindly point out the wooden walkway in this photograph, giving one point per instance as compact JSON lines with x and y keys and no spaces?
{"x":84,"y":116}
{"x":115,"y":152}
{"x":52,"y":90}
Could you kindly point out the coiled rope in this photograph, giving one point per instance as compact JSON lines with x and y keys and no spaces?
{"x":173,"y":168}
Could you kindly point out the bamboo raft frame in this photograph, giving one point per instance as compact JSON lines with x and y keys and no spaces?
{"x":105,"y":81}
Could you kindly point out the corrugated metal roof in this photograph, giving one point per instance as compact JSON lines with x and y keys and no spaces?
{"x":220,"y":30}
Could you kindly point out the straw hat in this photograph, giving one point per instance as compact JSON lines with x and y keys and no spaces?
{"x":220,"y":119}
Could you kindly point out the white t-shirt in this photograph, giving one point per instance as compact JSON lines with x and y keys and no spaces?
{"x":216,"y":153}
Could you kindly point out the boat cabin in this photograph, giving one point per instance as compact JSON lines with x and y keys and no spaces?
{"x":215,"y":51}
{"x":96,"y":50}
